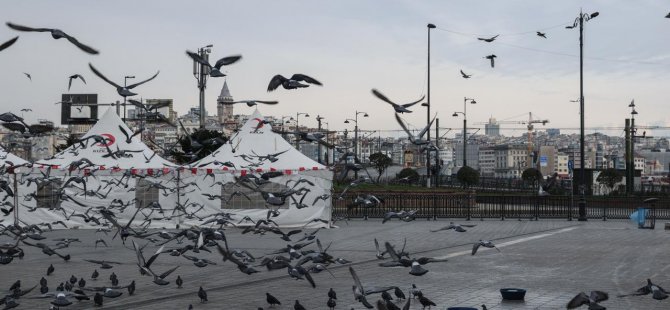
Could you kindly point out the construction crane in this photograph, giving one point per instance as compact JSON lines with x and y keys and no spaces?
{"x":530,"y":124}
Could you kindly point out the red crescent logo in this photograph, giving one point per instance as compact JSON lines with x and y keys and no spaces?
{"x":110,"y":140}
{"x":260,"y":123}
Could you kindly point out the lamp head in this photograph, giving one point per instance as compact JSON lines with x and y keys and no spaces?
{"x":346,"y":121}
{"x":365,"y":115}
{"x":473,"y":101}
{"x":455,"y":114}
{"x":431,"y":26}
{"x":425,"y":104}
{"x":595,"y":14}
{"x":306,"y":115}
{"x":633,"y":112}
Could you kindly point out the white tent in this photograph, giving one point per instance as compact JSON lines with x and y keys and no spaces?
{"x":137,"y":160}
{"x":112,"y":128}
{"x":256,"y":138}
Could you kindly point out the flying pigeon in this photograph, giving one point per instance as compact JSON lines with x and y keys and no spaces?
{"x":72,"y":77}
{"x":541,"y":34}
{"x":215,"y":70}
{"x":292,"y":83}
{"x":465,"y":76}
{"x":492,"y":58}
{"x":28,"y":75}
{"x":56,"y":34}
{"x":123,"y":91}
{"x":399,"y":108}
{"x":8,"y":43}
{"x":491,"y":39}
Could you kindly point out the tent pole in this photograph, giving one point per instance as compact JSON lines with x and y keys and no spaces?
{"x":16,"y":200}
{"x":178,"y":194}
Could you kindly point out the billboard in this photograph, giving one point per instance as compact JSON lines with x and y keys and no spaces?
{"x":79,"y":109}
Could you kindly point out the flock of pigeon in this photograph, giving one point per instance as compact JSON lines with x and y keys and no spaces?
{"x":301,"y":258}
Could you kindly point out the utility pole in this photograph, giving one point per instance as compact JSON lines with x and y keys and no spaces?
{"x":437,"y":153}
{"x":582,"y":186}
{"x":318,"y":119}
{"x":200,"y":72}
{"x":430,"y":26}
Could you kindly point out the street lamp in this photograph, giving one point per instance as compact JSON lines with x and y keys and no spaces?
{"x":318,"y":119}
{"x":297,"y":128}
{"x":465,"y":128}
{"x":580,"y":21}
{"x":125,"y":84}
{"x":200,"y":72}
{"x":282,"y":124}
{"x":365,"y":114}
{"x":427,"y":105}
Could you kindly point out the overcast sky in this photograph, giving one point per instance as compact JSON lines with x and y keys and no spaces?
{"x":352,"y":47}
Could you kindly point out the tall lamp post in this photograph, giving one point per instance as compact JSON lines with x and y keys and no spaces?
{"x":200,"y":72}
{"x":465,"y":127}
{"x":582,"y":186}
{"x":318,"y":119}
{"x":365,"y":114}
{"x":297,"y":128}
{"x":427,"y":104}
{"x":125,"y":84}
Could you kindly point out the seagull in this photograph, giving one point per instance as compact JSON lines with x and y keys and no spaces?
{"x":399,"y":108}
{"x":491,"y":39}
{"x":492,"y":58}
{"x":484,"y":243}
{"x":8,"y":43}
{"x":130,"y":137}
{"x":28,"y":75}
{"x":72,"y":77}
{"x":124,"y":91}
{"x":541,"y":34}
{"x":56,"y":34}
{"x":250,"y":103}
{"x":26,"y":110}
{"x":215,"y":71}
{"x":292,"y":83}
{"x":666,"y":16}
{"x":465,"y":76}
{"x":455,"y":227}
{"x":592,"y":300}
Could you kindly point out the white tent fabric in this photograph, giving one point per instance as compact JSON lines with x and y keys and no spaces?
{"x":8,"y":159}
{"x":141,"y":161}
{"x":256,"y":138}
{"x":110,"y":127}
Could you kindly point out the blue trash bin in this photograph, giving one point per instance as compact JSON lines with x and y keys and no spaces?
{"x":639,"y":216}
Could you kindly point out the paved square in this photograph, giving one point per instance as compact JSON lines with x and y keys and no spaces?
{"x":553,"y":259}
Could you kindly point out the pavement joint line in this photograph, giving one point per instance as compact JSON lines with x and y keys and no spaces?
{"x":146,"y":302}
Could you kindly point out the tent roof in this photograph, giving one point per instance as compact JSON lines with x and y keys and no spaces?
{"x":253,"y":140}
{"x":6,"y":158}
{"x":109,"y":126}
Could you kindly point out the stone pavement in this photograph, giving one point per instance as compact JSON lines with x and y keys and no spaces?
{"x":553,"y":259}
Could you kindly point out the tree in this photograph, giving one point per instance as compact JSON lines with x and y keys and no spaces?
{"x":467,"y":176}
{"x":532,"y":176}
{"x":609,"y":177}
{"x":407,"y":175}
{"x":201,"y":142}
{"x":380,"y":162}
{"x":69,"y":141}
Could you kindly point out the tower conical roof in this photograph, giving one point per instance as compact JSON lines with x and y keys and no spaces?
{"x":225,"y":93}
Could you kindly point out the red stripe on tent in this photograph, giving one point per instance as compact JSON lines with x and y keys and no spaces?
{"x":133,"y":171}
{"x":103,"y":168}
{"x":273,"y":169}
{"x":55,"y":167}
{"x":116,"y":169}
{"x":209,"y":171}
{"x":194,"y":170}
{"x":301,"y":169}
{"x":259,"y":170}
{"x":315,"y":168}
{"x":243,"y":172}
{"x":87,"y":171}
{"x":288,"y":172}
{"x":150,"y":171}
{"x":225,"y":168}
{"x":166,"y":170}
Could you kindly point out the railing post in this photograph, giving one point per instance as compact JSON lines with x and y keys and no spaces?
{"x":434,"y":207}
{"x":605,"y":212}
{"x":537,"y":207}
{"x":502,"y":209}
{"x":468,"y":205}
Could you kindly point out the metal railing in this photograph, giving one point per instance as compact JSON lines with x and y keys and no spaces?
{"x":469,"y":205}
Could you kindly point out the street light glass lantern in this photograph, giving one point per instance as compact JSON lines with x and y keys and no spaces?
{"x":306,"y":115}
{"x":594,"y":14}
{"x":455,"y":114}
{"x":346,"y":121}
{"x":365,"y":115}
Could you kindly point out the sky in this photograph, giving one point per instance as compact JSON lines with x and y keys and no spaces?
{"x":353,"y":46}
